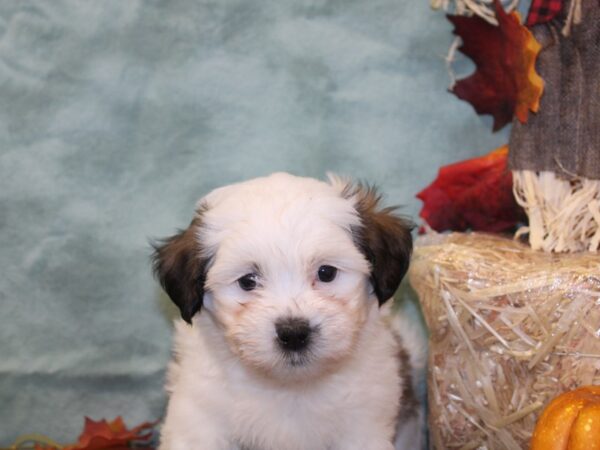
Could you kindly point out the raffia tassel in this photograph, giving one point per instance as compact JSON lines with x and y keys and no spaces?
{"x":482,"y":8}
{"x":573,"y":17}
{"x":564,"y":214}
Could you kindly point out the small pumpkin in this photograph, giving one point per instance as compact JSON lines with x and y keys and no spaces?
{"x":570,"y":422}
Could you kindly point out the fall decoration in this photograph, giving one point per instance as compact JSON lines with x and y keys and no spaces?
{"x":103,"y":434}
{"x":505,"y":83}
{"x":96,"y":436}
{"x":570,"y":422}
{"x":473,"y":194}
{"x":564,"y":214}
{"x":510,"y":328}
{"x":555,"y":157}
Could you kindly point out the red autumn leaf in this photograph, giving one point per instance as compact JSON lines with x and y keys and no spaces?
{"x":474,"y":194}
{"x":505,"y":83}
{"x":111,"y":435}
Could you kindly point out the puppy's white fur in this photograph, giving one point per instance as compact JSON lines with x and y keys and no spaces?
{"x":231,"y":386}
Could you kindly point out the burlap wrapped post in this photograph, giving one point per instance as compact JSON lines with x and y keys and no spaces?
{"x":555,"y":156}
{"x":564,"y":136}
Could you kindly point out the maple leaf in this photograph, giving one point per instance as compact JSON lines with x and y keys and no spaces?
{"x":505,"y":83}
{"x":474,"y":194}
{"x":110,"y":435}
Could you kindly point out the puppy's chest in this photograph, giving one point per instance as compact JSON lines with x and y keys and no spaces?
{"x":269,"y":422}
{"x":315,"y":418}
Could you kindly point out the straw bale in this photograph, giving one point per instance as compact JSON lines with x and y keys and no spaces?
{"x":510,"y":328}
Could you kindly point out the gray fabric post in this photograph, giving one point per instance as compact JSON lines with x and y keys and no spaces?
{"x":564,"y":136}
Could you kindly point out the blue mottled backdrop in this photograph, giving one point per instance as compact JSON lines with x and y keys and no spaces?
{"x":115,"y":116}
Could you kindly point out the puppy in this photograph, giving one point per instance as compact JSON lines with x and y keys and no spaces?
{"x":284,"y":343}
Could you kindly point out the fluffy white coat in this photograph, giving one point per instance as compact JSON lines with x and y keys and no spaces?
{"x":231,"y":386}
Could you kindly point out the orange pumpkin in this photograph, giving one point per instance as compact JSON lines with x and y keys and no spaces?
{"x":570,"y":422}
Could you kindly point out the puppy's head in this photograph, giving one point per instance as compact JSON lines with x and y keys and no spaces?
{"x":287,"y":267}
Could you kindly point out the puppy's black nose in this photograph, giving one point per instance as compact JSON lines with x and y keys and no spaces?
{"x":293,"y":333}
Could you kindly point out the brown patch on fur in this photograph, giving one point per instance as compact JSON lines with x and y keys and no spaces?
{"x":409,"y":402}
{"x":384,"y":238}
{"x":181,"y":270}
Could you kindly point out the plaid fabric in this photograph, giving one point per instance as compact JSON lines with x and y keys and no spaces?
{"x":542,"y":11}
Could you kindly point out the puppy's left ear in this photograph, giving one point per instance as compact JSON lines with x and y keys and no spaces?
{"x":383,"y":237}
{"x":179,"y":267}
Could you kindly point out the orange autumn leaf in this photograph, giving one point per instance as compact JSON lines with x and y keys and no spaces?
{"x":505,"y":83}
{"x":110,"y":435}
{"x":474,"y":194}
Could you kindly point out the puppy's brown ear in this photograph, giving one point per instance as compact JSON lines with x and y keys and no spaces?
{"x":383,"y":237}
{"x":181,"y":270}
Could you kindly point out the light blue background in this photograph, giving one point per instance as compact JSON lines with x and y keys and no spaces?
{"x":115,"y":116}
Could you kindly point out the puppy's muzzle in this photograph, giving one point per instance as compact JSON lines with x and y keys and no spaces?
{"x":293,"y":333}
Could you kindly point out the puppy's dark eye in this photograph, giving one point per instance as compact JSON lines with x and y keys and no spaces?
{"x":247,"y":282}
{"x":327,"y":273}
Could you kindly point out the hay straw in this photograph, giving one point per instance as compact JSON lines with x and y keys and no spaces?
{"x":481,"y":8}
{"x":510,"y":328}
{"x":564,"y":215}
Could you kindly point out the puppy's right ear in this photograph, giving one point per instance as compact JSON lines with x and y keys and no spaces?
{"x":181,"y":270}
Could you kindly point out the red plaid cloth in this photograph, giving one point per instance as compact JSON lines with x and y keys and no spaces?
{"x":542,"y":11}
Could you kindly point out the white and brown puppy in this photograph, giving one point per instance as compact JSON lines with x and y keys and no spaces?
{"x":286,"y":347}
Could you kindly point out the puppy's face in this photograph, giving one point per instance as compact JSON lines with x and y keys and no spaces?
{"x":286,"y":282}
{"x":287,"y":268}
